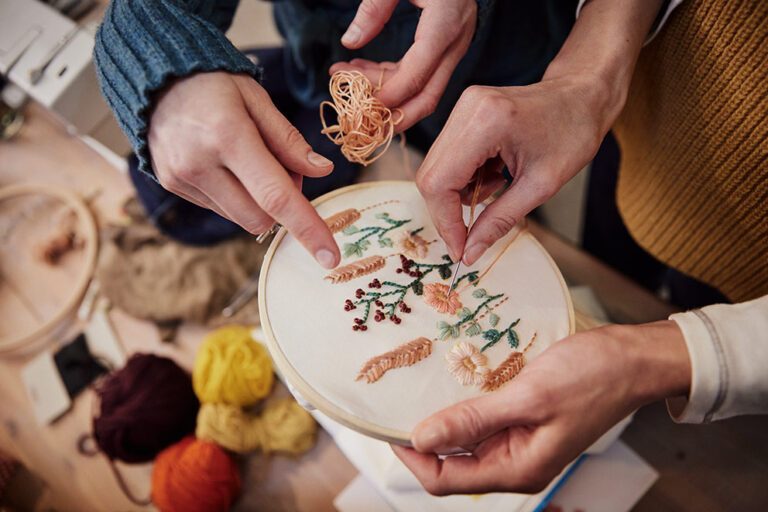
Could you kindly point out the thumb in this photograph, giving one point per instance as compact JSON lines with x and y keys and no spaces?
{"x":369,"y":20}
{"x":282,"y":139}
{"x":503,"y":214}
{"x":470,"y":422}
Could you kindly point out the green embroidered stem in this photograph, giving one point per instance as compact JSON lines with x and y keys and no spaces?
{"x":391,"y":302}
{"x":359,"y":246}
{"x":492,"y":336}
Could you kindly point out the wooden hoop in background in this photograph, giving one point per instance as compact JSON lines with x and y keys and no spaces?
{"x":86,"y":219}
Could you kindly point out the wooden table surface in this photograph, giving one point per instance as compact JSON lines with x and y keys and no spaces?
{"x":718,"y":467}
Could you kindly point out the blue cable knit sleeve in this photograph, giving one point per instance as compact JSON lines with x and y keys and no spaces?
{"x":142,"y":44}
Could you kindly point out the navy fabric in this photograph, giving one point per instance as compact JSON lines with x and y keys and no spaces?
{"x":142,"y":44}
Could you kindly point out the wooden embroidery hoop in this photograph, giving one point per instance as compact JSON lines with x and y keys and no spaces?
{"x":90,"y":233}
{"x":298,"y":385}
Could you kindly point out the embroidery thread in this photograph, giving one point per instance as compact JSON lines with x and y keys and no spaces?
{"x":356,"y":269}
{"x":406,"y":354}
{"x":508,"y":369}
{"x":359,"y":246}
{"x":467,"y":364}
{"x":339,"y":221}
{"x":388,"y":303}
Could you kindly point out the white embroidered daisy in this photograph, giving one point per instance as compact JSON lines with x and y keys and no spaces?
{"x":467,"y":364}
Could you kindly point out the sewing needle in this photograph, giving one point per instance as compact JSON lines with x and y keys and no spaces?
{"x":472,"y":205}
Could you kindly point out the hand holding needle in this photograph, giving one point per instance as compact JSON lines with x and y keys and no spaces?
{"x":472,"y":205}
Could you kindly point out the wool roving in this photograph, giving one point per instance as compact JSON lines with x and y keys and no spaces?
{"x":146,"y":406}
{"x":283,"y":426}
{"x":231,"y":368}
{"x":194,"y":476}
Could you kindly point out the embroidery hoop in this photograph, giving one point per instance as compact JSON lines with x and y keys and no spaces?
{"x":305,"y":392}
{"x":29,"y":341}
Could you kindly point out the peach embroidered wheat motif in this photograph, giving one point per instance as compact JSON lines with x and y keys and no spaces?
{"x":356,"y":269}
{"x":341,"y":220}
{"x":507,"y":370}
{"x":406,"y":354}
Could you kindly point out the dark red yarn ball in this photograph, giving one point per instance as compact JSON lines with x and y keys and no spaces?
{"x":145,"y":407}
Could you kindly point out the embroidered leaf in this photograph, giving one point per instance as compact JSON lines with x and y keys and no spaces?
{"x":472,"y":277}
{"x":352,"y":250}
{"x":341,"y":220}
{"x":505,"y":372}
{"x":364,"y":244}
{"x":493,"y":319}
{"x":445,"y":271}
{"x":464,"y":313}
{"x":350,"y":230}
{"x":512,"y":338}
{"x":382,"y":215}
{"x":514,"y":323}
{"x":447,"y":258}
{"x":406,"y":354}
{"x":455,"y":331}
{"x":418,"y":288}
{"x":385,"y":242}
{"x":479,"y":293}
{"x":445,"y":333}
{"x":442,"y":324}
{"x":417,"y":231}
{"x":356,"y":269}
{"x":492,"y":336}
{"x":473,"y":330}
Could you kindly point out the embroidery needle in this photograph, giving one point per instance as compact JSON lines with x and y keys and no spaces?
{"x":472,"y":205}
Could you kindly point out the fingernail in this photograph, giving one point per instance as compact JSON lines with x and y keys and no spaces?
{"x":325,"y":258}
{"x":472,"y":254}
{"x":352,"y":35}
{"x":318,"y":160}
{"x":430,"y":437}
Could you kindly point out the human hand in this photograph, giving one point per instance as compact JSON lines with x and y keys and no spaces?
{"x":416,"y":83}
{"x":544,"y":133}
{"x":523,"y":435}
{"x":218,"y":141}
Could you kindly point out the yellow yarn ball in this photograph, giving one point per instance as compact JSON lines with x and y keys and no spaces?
{"x":231,"y":368}
{"x":283,"y":426}
{"x":229,"y":427}
{"x":288,"y":427}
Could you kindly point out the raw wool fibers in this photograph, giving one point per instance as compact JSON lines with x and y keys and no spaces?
{"x":152,"y":277}
{"x":146,"y":406}
{"x":231,"y":368}
{"x":283,"y":426}
{"x":194,"y":476}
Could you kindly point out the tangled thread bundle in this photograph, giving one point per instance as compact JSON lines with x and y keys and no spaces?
{"x":283,"y":426}
{"x":145,"y":407}
{"x":364,"y":124}
{"x":194,"y":476}
{"x":231,"y":368}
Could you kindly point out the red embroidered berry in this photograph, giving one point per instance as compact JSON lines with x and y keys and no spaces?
{"x":346,"y":307}
{"x":358,"y":321}
{"x":397,"y":320}
{"x":355,"y":328}
{"x":363,"y":327}
{"x":399,"y":271}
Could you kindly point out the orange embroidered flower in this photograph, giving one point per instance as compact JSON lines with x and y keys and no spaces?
{"x":413,"y":246}
{"x":467,"y":364}
{"x":438,"y":298}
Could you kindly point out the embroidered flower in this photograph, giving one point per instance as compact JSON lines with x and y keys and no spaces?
{"x":413,"y":246}
{"x":439,"y":299}
{"x":467,"y":364}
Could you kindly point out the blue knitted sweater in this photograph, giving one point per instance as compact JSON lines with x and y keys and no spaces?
{"x":142,"y":44}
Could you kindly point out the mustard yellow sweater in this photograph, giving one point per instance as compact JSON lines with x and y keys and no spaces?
{"x":693,"y":183}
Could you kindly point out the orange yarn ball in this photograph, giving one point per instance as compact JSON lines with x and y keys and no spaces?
{"x":194,"y":476}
